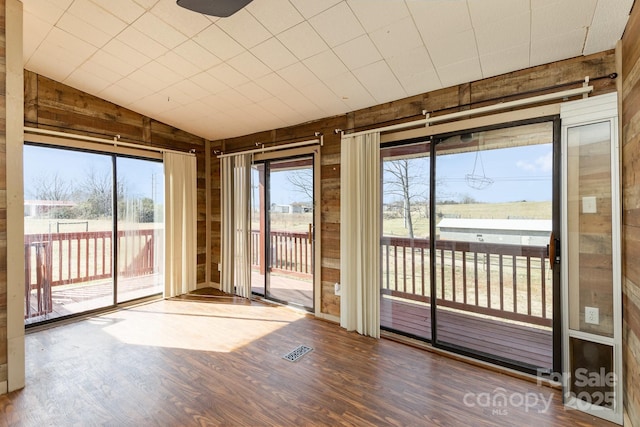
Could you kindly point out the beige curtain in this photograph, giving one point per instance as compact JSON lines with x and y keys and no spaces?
{"x":236,"y":225}
{"x":180,"y":223}
{"x":360,"y":234}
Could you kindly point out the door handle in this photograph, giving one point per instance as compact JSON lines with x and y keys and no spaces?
{"x":553,"y":250}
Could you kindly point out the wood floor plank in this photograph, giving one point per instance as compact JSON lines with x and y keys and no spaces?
{"x":207,"y":361}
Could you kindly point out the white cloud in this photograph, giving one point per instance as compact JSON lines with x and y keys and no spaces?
{"x":541,"y":164}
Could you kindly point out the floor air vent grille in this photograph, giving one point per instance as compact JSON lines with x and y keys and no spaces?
{"x":297,"y":353}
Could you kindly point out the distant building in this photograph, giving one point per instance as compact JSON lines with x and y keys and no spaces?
{"x":42,"y":208}
{"x":527,"y":232}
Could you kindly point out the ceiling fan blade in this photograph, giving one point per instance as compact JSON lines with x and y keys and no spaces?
{"x":221,"y":8}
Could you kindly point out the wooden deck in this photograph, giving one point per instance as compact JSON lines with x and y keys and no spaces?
{"x":219,"y":361}
{"x":80,"y":297}
{"x":525,"y":344}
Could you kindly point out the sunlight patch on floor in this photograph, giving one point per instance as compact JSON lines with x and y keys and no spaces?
{"x":197,"y":326}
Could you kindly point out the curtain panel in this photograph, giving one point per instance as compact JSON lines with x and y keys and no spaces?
{"x":360,"y":234}
{"x":180,"y":202}
{"x":236,"y":225}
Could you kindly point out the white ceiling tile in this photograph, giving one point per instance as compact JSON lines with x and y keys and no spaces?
{"x":231,"y":97}
{"x":244,"y":28}
{"x":47,"y":11}
{"x":97,"y":17}
{"x":609,"y":22}
{"x":176,"y":63}
{"x":158,"y":30}
{"x":453,"y":49}
{"x":183,"y":20}
{"x":275,"y":15}
{"x":95,"y":67}
{"x":375,"y":14}
{"x":339,"y":16}
{"x":86,"y":80}
{"x":490,"y":38}
{"x":350,"y":91}
{"x":150,"y":82}
{"x":196,"y":54}
{"x":146,"y":4}
{"x":325,"y":65}
{"x":380,"y":82}
{"x":559,"y":46}
{"x":125,"y":10}
{"x":187,"y":88}
{"x":63,"y":46}
{"x":289,"y":115}
{"x":83,"y":30}
{"x":438,"y":19}
{"x":167,"y":75}
{"x":358,"y":52}
{"x":112,"y":63}
{"x":208,"y":83}
{"x":274,"y":84}
{"x":228,"y":75}
{"x":322,"y":96}
{"x":56,"y":70}
{"x":561,"y":17}
{"x":154,"y":102}
{"x":303,"y":41}
{"x":253,"y":91}
{"x":122,"y":56}
{"x":396,"y":38}
{"x":38,"y":30}
{"x":251,"y":66}
{"x":415,"y":71}
{"x":310,"y":8}
{"x":141,"y":42}
{"x":483,"y":12}
{"x":461,"y":72}
{"x":218,"y":42}
{"x":298,"y":75}
{"x":500,"y":62}
{"x":123,"y":92}
{"x":273,"y":54}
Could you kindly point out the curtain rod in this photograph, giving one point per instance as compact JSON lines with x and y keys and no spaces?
{"x":319,"y":140}
{"x":115,"y":142}
{"x":475,"y":111}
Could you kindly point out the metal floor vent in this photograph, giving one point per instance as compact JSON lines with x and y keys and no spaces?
{"x":297,"y":353}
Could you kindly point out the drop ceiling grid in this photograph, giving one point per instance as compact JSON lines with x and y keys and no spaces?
{"x":299,"y":60}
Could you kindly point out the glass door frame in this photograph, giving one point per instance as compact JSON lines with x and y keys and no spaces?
{"x":434,"y":139}
{"x":308,"y":151}
{"x":89,"y":148}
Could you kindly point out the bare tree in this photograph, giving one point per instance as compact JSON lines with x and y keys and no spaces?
{"x":302,"y":181}
{"x":51,"y":187}
{"x":403,"y":179}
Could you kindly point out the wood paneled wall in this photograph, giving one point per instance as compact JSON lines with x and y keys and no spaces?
{"x":510,"y":86}
{"x":52,"y":105}
{"x":631,"y":215}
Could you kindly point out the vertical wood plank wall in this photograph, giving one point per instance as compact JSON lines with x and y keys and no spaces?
{"x":514,"y":85}
{"x":631,"y":215}
{"x":55,"y":106}
{"x":3,"y":201}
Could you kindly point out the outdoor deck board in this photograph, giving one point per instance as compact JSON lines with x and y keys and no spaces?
{"x":518,"y":342}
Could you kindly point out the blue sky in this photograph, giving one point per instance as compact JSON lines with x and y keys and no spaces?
{"x":72,"y":166}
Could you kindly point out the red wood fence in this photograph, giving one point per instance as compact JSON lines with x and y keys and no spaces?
{"x":507,"y":281}
{"x":54,"y":259}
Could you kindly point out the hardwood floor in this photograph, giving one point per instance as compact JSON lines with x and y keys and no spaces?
{"x":213,"y":360}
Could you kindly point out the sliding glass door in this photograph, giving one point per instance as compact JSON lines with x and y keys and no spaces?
{"x":467,"y":218}
{"x":92,"y":236}
{"x":405,"y":250}
{"x":283,"y":230}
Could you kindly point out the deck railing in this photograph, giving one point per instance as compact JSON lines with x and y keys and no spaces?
{"x":290,"y":251}
{"x":54,"y":259}
{"x":507,"y":281}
